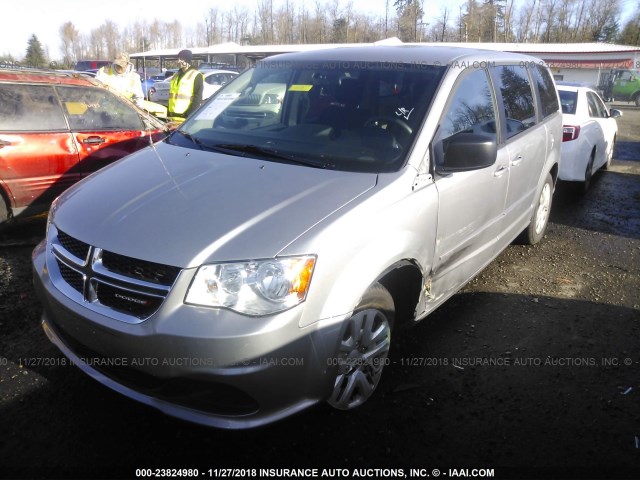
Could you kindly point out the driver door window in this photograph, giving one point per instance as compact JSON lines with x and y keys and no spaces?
{"x":472,"y":108}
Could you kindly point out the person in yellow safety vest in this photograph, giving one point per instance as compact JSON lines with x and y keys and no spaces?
{"x":185,"y":91}
{"x":121,"y":77}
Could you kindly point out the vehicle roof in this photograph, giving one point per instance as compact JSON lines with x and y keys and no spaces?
{"x":46,"y":76}
{"x":206,"y":73}
{"x":430,"y":55}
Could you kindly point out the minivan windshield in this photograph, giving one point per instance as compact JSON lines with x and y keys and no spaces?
{"x":350,"y":116}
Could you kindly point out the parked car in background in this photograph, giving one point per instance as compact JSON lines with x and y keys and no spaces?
{"x":589,"y":133}
{"x":93,"y":65}
{"x":149,"y":83}
{"x":57,"y":128}
{"x":258,"y":265}
{"x":213,"y":80}
{"x":206,"y":66}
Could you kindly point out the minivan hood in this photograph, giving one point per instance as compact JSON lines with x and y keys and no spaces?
{"x":184,"y":207}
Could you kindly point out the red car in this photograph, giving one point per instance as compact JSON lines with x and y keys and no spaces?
{"x":55,"y":129}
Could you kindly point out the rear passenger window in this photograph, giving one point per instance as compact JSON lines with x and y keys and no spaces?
{"x":596,"y":110}
{"x":30,"y":108}
{"x":546,"y":89}
{"x":517,"y":96}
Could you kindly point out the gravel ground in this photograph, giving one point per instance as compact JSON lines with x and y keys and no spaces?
{"x":532,"y":371}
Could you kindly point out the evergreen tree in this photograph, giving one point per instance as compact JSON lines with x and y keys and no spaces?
{"x":630,"y":34}
{"x":35,"y":54}
{"x":410,"y":14}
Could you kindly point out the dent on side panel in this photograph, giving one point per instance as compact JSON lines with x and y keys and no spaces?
{"x":372,"y":241}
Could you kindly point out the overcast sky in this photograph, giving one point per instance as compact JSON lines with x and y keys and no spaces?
{"x":44,"y":17}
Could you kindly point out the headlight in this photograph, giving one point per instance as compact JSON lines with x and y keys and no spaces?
{"x":259,"y":287}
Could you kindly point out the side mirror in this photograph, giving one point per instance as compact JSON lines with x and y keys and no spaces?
{"x":467,"y":151}
{"x":615,"y":113}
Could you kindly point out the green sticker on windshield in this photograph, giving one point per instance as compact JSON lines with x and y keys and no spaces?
{"x":300,"y":88}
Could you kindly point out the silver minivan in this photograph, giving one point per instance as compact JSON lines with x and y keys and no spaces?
{"x":256,"y":261}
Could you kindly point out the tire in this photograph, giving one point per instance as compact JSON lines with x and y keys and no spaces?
{"x":4,"y":210}
{"x":363,"y":349}
{"x":637,"y":100}
{"x":588,"y":173}
{"x":607,"y":164}
{"x":540,"y":216}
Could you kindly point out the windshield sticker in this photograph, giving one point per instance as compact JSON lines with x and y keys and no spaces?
{"x":300,"y":88}
{"x":216,"y":107}
{"x":404,"y":112}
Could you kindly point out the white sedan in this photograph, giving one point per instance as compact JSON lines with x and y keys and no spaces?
{"x":213,"y":80}
{"x":589,"y":133}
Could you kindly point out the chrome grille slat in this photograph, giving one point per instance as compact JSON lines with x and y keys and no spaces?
{"x":75,"y":247}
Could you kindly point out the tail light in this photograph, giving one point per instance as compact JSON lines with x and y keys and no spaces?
{"x":570,"y":132}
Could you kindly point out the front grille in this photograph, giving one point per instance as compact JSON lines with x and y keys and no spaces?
{"x":137,"y":304}
{"x":73,"y":246}
{"x":140,"y":269}
{"x":125,"y":288}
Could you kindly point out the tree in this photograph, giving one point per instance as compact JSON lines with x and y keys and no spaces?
{"x":410,"y":14}
{"x":339,"y":31}
{"x":630,"y":34}
{"x":441,"y":26}
{"x":35,"y":54}
{"x":69,"y":37}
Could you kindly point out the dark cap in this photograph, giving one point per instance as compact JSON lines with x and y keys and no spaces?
{"x":185,"y":55}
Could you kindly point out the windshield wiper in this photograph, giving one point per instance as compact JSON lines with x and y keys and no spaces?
{"x":255,"y":150}
{"x":190,"y":137}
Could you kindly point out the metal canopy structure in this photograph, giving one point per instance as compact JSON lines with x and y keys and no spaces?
{"x":568,"y":55}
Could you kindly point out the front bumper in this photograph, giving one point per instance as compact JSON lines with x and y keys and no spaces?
{"x":208,"y":366}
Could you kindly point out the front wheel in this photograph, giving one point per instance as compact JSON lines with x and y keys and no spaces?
{"x":363,"y":350}
{"x":540,"y":216}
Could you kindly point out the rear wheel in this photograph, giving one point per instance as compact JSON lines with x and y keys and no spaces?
{"x":610,"y":155}
{"x":588,"y":173}
{"x":363,"y":349}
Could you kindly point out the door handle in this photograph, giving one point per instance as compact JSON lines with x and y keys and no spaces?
{"x":517,"y":161}
{"x":501,"y":171}
{"x":93,"y":140}
{"x":4,"y":143}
